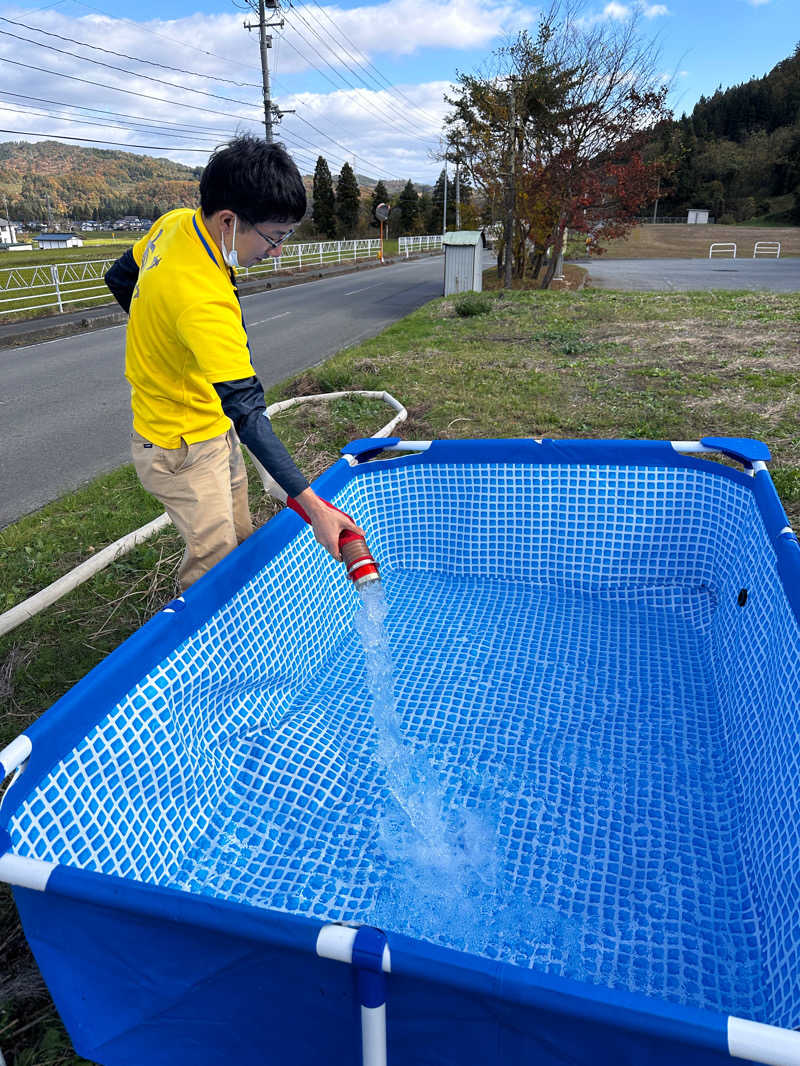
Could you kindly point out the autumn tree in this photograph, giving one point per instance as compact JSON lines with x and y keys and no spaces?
{"x":554,"y":130}
{"x":324,"y":209}
{"x":348,"y":202}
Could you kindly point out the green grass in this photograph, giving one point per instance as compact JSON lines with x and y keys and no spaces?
{"x":594,"y":363}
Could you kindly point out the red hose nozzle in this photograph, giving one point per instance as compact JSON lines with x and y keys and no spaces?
{"x":356,"y":556}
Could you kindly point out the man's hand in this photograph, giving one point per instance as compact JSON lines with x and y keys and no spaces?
{"x":326,"y":521}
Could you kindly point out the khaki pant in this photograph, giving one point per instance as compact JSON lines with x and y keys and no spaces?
{"x":203,"y":487}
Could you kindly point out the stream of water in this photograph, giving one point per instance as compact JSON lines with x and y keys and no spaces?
{"x":442,"y":855}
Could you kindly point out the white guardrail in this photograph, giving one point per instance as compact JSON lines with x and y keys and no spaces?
{"x":728,"y":249}
{"x":770,"y":248}
{"x":58,"y":285}
{"x":408,"y":245}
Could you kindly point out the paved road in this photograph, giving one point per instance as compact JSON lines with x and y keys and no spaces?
{"x":777,"y":275}
{"x":65,"y":404}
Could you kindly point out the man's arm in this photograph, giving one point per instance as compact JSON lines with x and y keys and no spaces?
{"x":243,"y":402}
{"x":121,"y":279}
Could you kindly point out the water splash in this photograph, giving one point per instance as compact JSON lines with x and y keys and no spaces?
{"x":442,"y":857}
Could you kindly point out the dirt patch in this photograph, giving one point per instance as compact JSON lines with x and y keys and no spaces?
{"x":764,"y":345}
{"x":665,"y":241}
{"x":304,"y":384}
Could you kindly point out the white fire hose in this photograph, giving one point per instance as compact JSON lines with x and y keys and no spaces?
{"x":34,"y":604}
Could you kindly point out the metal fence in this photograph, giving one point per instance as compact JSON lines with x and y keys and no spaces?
{"x":770,"y":248}
{"x":407,"y":245}
{"x":297,"y":256}
{"x":33,"y":288}
{"x":674,"y":220}
{"x":61,"y":285}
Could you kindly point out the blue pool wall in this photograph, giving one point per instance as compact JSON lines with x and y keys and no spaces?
{"x":726,"y":553}
{"x":147,"y":975}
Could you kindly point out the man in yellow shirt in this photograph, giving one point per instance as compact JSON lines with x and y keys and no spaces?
{"x":187,"y":357}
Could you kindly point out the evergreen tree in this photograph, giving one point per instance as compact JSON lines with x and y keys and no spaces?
{"x":409,"y":209}
{"x":424,"y":213}
{"x":437,"y":205}
{"x":348,"y":202}
{"x":324,"y":212}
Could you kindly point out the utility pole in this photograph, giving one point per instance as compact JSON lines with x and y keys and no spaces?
{"x":444,"y":212}
{"x":458,"y":196}
{"x":265,"y":42}
{"x":510,"y":189}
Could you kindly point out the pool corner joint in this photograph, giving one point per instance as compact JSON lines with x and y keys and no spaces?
{"x":367,"y":950}
{"x":768,"y":1044}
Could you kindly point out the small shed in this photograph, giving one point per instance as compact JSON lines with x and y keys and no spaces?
{"x":463,"y":261}
{"x":59,"y":240}
{"x":697,"y":218}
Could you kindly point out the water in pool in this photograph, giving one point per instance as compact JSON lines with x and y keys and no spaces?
{"x":536,"y":775}
{"x":443,"y":860}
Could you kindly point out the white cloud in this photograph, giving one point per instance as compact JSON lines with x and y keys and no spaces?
{"x":617,"y":12}
{"x":614,"y":10}
{"x":757,"y":3}
{"x":396,"y":131}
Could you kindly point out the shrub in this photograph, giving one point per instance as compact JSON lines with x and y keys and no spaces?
{"x":468,"y":304}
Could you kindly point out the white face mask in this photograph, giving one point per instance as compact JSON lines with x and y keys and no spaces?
{"x":230,"y":258}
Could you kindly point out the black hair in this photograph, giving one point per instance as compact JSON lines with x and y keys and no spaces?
{"x":259,"y":181}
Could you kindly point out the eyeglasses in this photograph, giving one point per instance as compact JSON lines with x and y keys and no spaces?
{"x":271,"y":241}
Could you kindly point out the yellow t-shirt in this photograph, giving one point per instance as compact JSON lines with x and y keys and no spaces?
{"x":185,"y":333}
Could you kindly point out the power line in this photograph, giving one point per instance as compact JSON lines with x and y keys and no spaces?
{"x":117,"y":89}
{"x":181,"y":130}
{"x":118,"y":144}
{"x":337,"y":87}
{"x":375,"y":106}
{"x":159,"y":100}
{"x":88,"y":121}
{"x":124,"y":70}
{"x":140,"y":119}
{"x":124,"y":55}
{"x":378,"y":77}
{"x":376,"y":103}
{"x":348,"y":152}
{"x":162,"y":36}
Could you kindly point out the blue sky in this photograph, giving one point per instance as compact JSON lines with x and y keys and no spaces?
{"x":384,"y":113}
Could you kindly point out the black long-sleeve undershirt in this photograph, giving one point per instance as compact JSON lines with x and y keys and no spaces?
{"x":121,"y":278}
{"x":243,"y":403}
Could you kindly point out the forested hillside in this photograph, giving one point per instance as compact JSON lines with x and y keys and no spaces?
{"x":737,"y":150}
{"x":85,"y":183}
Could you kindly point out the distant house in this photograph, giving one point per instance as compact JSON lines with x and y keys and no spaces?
{"x":59,"y":240}
{"x":8,"y":232}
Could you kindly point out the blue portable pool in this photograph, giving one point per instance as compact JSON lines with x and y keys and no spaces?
{"x":597,"y":651}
